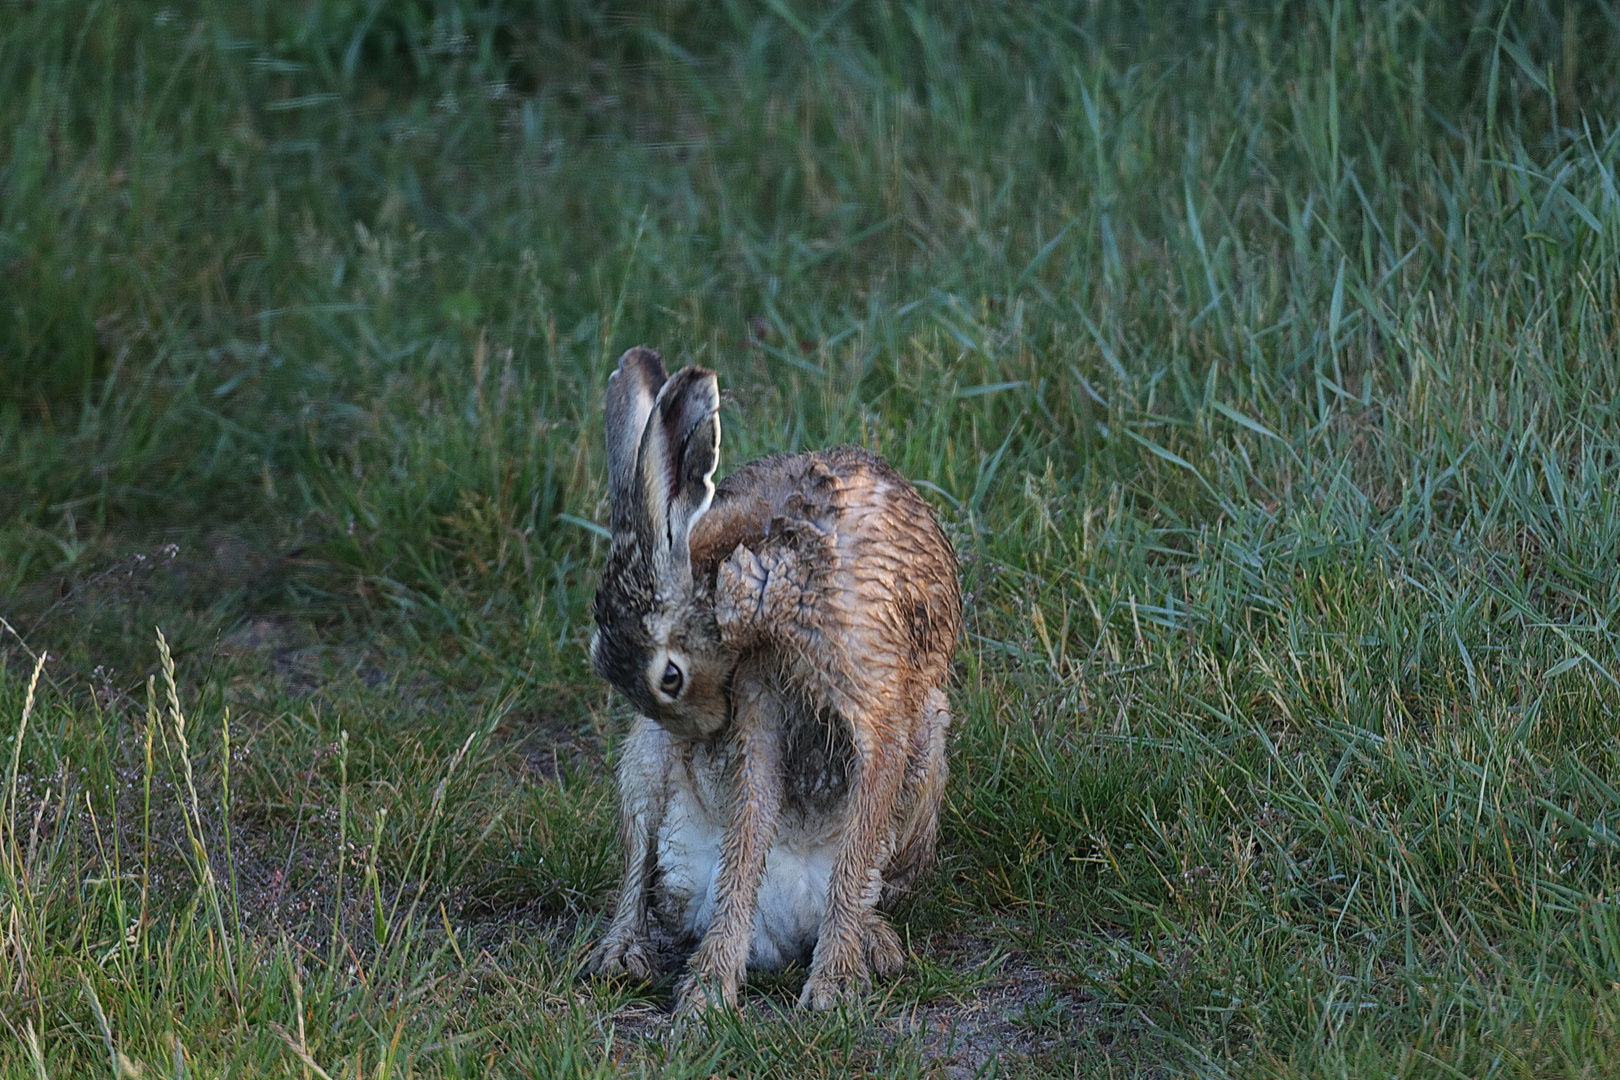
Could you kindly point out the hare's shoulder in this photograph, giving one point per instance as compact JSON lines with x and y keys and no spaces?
{"x":763,"y":501}
{"x":793,"y":545}
{"x":846,"y":492}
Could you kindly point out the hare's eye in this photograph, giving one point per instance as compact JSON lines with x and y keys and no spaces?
{"x":670,"y":684}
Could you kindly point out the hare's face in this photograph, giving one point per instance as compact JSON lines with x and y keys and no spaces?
{"x":667,"y":661}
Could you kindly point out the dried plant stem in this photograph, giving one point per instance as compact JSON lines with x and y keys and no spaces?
{"x":8,"y":797}
{"x":192,"y":815}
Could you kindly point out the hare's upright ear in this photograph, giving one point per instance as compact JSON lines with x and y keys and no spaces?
{"x":675,"y":465}
{"x":631,"y":392}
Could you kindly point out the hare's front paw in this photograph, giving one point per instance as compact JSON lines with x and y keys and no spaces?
{"x":698,"y":993}
{"x":825,"y":989}
{"x":710,"y":981}
{"x":625,"y":954}
{"x":884,"y":956}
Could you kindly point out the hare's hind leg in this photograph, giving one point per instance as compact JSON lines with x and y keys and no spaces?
{"x":884,"y":956}
{"x":715,"y":970}
{"x":643,"y":772}
{"x":920,"y":798}
{"x":921,"y":792}
{"x":919,"y":824}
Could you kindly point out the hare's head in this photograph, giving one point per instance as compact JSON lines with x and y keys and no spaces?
{"x":655,"y":640}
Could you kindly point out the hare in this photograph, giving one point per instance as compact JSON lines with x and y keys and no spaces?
{"x":786,"y":639}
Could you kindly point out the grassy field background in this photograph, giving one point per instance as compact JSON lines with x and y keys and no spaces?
{"x":1262,"y":361}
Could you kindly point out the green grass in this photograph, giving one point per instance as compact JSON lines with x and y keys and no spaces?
{"x":1263,"y":364}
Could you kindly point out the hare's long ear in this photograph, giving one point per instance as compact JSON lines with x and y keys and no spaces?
{"x":675,"y":466}
{"x":631,"y":392}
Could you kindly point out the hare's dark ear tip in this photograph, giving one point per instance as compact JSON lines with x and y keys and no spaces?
{"x":689,"y":380}
{"x":644,"y":363}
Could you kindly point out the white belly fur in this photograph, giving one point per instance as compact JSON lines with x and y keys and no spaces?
{"x":792,"y":897}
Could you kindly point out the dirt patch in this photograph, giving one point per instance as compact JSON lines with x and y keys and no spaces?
{"x":1007,"y":1017}
{"x":1003,"y":1008}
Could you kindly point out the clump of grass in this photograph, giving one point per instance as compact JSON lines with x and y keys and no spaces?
{"x":143,"y":928}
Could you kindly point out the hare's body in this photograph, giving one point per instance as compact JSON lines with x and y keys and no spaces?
{"x":697,"y":785}
{"x":788,"y":644}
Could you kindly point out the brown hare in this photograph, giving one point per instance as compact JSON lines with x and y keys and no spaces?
{"x":786,"y":638}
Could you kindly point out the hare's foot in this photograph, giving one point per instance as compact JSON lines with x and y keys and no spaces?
{"x":884,"y":955}
{"x":708,"y":983}
{"x":626,"y":953}
{"x":827,"y":988}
